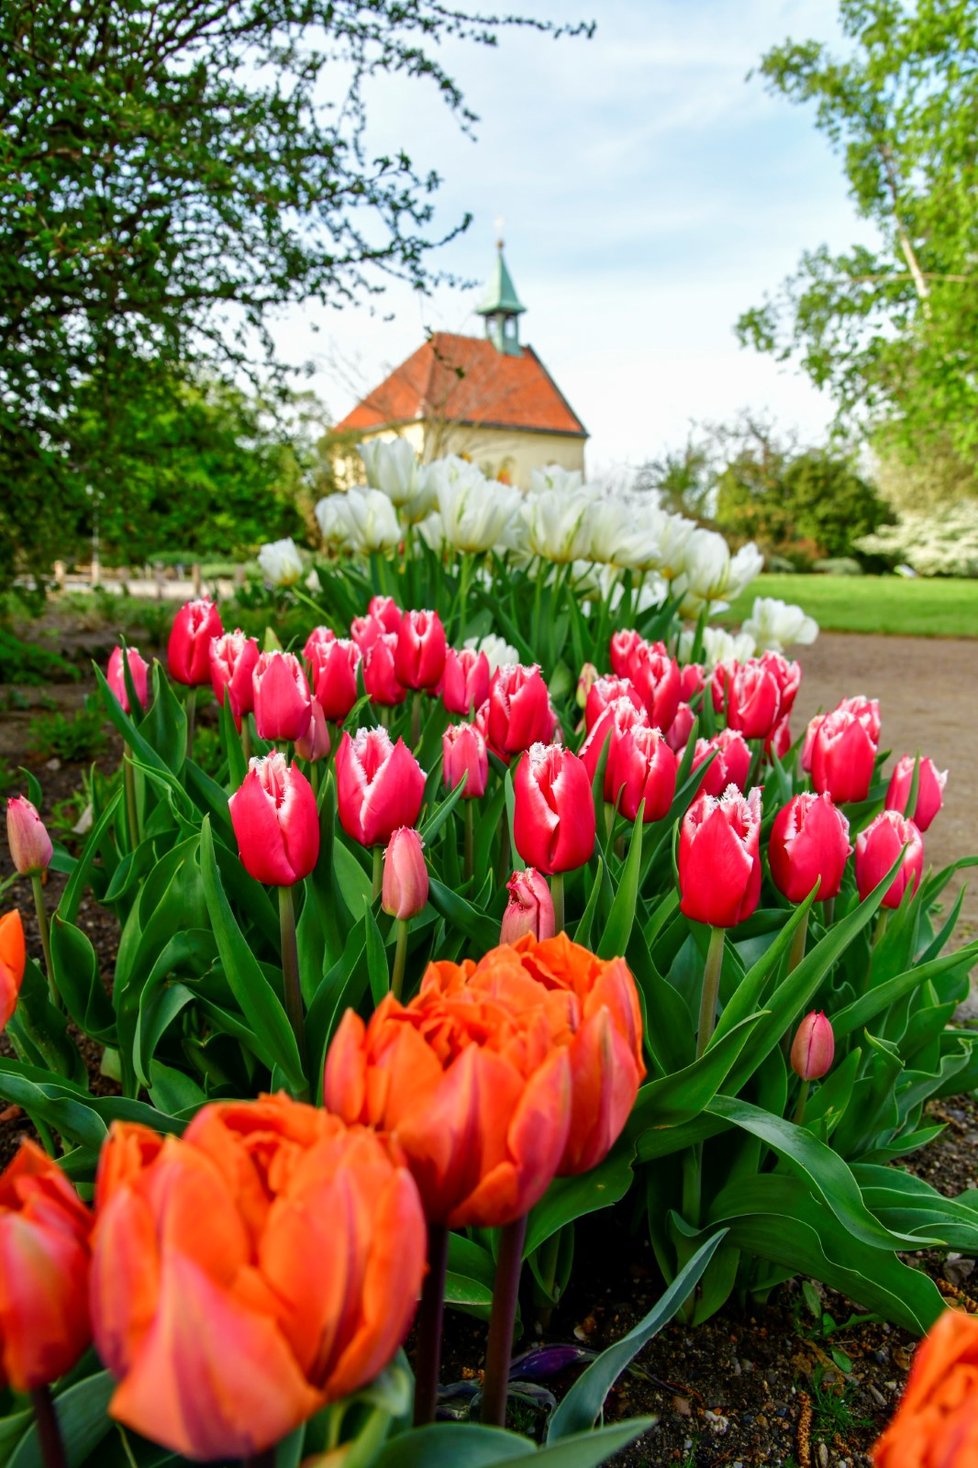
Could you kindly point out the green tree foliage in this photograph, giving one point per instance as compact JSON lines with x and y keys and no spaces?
{"x":173,"y":173}
{"x":891,"y":331}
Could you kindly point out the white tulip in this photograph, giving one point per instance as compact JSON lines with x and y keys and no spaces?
{"x":556,"y":525}
{"x":373,"y":523}
{"x":719,"y":646}
{"x":776,"y":624}
{"x":335,"y":521}
{"x":674,"y":535}
{"x":745,"y":566}
{"x":432,"y":530}
{"x":475,"y":511}
{"x":392,"y":467}
{"x":552,"y":476}
{"x":498,"y":652}
{"x":280,"y":562}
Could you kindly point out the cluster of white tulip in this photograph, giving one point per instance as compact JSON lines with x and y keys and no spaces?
{"x":562,"y":520}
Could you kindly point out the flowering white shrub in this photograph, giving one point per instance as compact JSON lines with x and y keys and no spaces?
{"x":939,"y":542}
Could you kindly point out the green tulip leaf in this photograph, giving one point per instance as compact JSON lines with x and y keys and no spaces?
{"x":83,"y":1419}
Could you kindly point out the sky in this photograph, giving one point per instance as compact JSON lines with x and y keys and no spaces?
{"x":649,"y":194}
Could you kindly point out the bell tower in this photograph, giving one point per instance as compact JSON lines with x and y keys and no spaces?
{"x":501,"y":308}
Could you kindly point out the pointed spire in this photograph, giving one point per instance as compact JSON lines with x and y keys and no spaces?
{"x":501,"y":307}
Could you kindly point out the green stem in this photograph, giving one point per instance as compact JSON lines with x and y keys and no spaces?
{"x":692,"y":1175}
{"x":828,"y":911}
{"x":132,"y":815}
{"x":290,"y":967}
{"x":710,"y":991}
{"x":378,"y":873}
{"x":465,"y":571}
{"x":415,"y":717}
{"x":557,"y":893}
{"x":881,"y":926}
{"x":427,"y":1360}
{"x":798,"y":944}
{"x":799,"y":1115}
{"x":401,"y":926}
{"x":42,"y":923}
{"x":499,"y":1349}
{"x":468,"y":857}
{"x":246,"y":738}
{"x":191,"y":720}
{"x":48,"y":1430}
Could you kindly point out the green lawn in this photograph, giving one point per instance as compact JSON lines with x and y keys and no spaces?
{"x":884,"y":604}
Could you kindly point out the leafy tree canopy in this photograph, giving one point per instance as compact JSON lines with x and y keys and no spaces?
{"x":891,"y":331}
{"x":173,"y":173}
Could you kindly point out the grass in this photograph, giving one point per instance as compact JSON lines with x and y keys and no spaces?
{"x":891,"y":605}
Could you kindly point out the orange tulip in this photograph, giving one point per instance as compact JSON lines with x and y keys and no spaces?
{"x":243,"y":1276}
{"x":936,"y":1424}
{"x":13,"y":959}
{"x":44,"y":1262}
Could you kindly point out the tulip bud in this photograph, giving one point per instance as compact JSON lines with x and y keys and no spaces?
{"x":719,"y":858}
{"x":276,"y":822}
{"x":930,"y":790}
{"x":656,"y":676}
{"x":878,"y":847}
{"x":463,"y":752}
{"x":115,"y":675}
{"x":379,"y":786}
{"x":642,"y":768}
{"x":813,"y":1048}
{"x":13,"y":961}
{"x":233,"y":658}
{"x":405,"y":888}
{"x":465,"y":681}
{"x":419,"y":659}
{"x":843,"y":757}
{"x":30,"y":845}
{"x":314,"y":743}
{"x":188,"y":653}
{"x":753,"y":700}
{"x":553,"y":817}
{"x":283,"y":706}
{"x":589,"y":675}
{"x":380,"y":679}
{"x":519,"y":710}
{"x":384,"y":609}
{"x":333,"y":673}
{"x":730,"y":764}
{"x":530,"y":908}
{"x":677,"y":735}
{"x":809,"y":844}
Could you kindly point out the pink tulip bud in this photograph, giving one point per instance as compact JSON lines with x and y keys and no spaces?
{"x":333,"y":674}
{"x":813,"y":1048}
{"x":878,"y":847}
{"x":188,"y":653}
{"x":930,"y":790}
{"x":779,"y":740}
{"x":519,"y":710}
{"x":677,"y":735}
{"x":692,"y":680}
{"x":379,"y":786}
{"x":233,"y":658}
{"x":419,"y":659}
{"x":276,"y":822}
{"x":809,"y":844}
{"x":463,"y":752}
{"x":283,"y":704}
{"x":553,"y":818}
{"x":657,"y":678}
{"x":465,"y":681}
{"x":642,"y":767}
{"x":380,"y":679}
{"x":753,"y":699}
{"x":115,"y":675}
{"x":405,"y":888}
{"x":30,"y":845}
{"x":589,"y":676}
{"x":314,"y":743}
{"x":719,"y":858}
{"x":530,"y":908}
{"x":843,"y":757}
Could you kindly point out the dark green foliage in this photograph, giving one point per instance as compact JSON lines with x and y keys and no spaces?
{"x":79,"y":736}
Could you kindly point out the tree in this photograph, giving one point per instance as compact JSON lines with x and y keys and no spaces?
{"x":891,"y":331}
{"x":172,"y":173}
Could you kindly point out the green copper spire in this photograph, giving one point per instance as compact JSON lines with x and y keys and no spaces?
{"x":501,"y":307}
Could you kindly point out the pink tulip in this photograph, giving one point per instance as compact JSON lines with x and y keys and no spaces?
{"x":787,"y":675}
{"x":379,"y":786}
{"x":719,"y":858}
{"x":380,"y":680}
{"x":384,"y":609}
{"x":405,"y":885}
{"x":116,"y":678}
{"x":813,"y":1048}
{"x":656,"y":676}
{"x":753,"y":700}
{"x":314,"y":743}
{"x":465,"y":681}
{"x":188,"y":653}
{"x":623,"y":648}
{"x":553,"y":820}
{"x":730,"y":766}
{"x":530,"y":908}
{"x":677,"y":735}
{"x":283,"y":703}
{"x":809,"y":843}
{"x":519,"y":710}
{"x":333,"y":674}
{"x":319,"y":639}
{"x":878,"y":847}
{"x":419,"y":659}
{"x":843,"y":757}
{"x":606,"y":691}
{"x":463,"y":753}
{"x":233,"y":658}
{"x":930,"y":790}
{"x":620,"y":715}
{"x":276,"y":822}
{"x":642,"y":767}
{"x":30,"y":845}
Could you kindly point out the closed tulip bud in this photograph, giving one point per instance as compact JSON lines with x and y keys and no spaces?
{"x":809,"y":844}
{"x":44,"y":1269}
{"x":188,"y":653}
{"x":530,"y":908}
{"x":753,"y":700}
{"x":384,"y":609}
{"x":115,"y":675}
{"x":642,"y":768}
{"x":276,"y":822}
{"x":463,"y":753}
{"x":813,"y":1048}
{"x":314,"y":743}
{"x":588,"y":677}
{"x":224,"y":1339}
{"x":30,"y":845}
{"x":519,"y":710}
{"x":730,"y":765}
{"x":405,"y":886}
{"x":677,"y":735}
{"x":930,"y":790}
{"x":380,"y":679}
{"x":878,"y":847}
{"x":843,"y":757}
{"x":656,"y":676}
{"x":465,"y":681}
{"x":234,"y":658}
{"x":283,"y":703}
{"x":419,"y":659}
{"x":719,"y":858}
{"x":692,"y":680}
{"x":553,"y":819}
{"x":379,"y":786}
{"x":13,"y":961}
{"x":606,"y":691}
{"x":333,"y":674}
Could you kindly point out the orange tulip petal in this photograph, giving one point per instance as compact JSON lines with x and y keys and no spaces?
{"x":211,"y":1379}
{"x":13,"y":960}
{"x":124,"y":1279}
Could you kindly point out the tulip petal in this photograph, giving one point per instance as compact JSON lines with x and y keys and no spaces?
{"x":44,"y":1323}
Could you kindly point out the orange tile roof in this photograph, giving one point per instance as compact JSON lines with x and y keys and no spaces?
{"x":463,"y":379}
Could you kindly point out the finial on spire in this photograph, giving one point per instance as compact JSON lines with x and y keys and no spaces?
{"x":500,"y":225}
